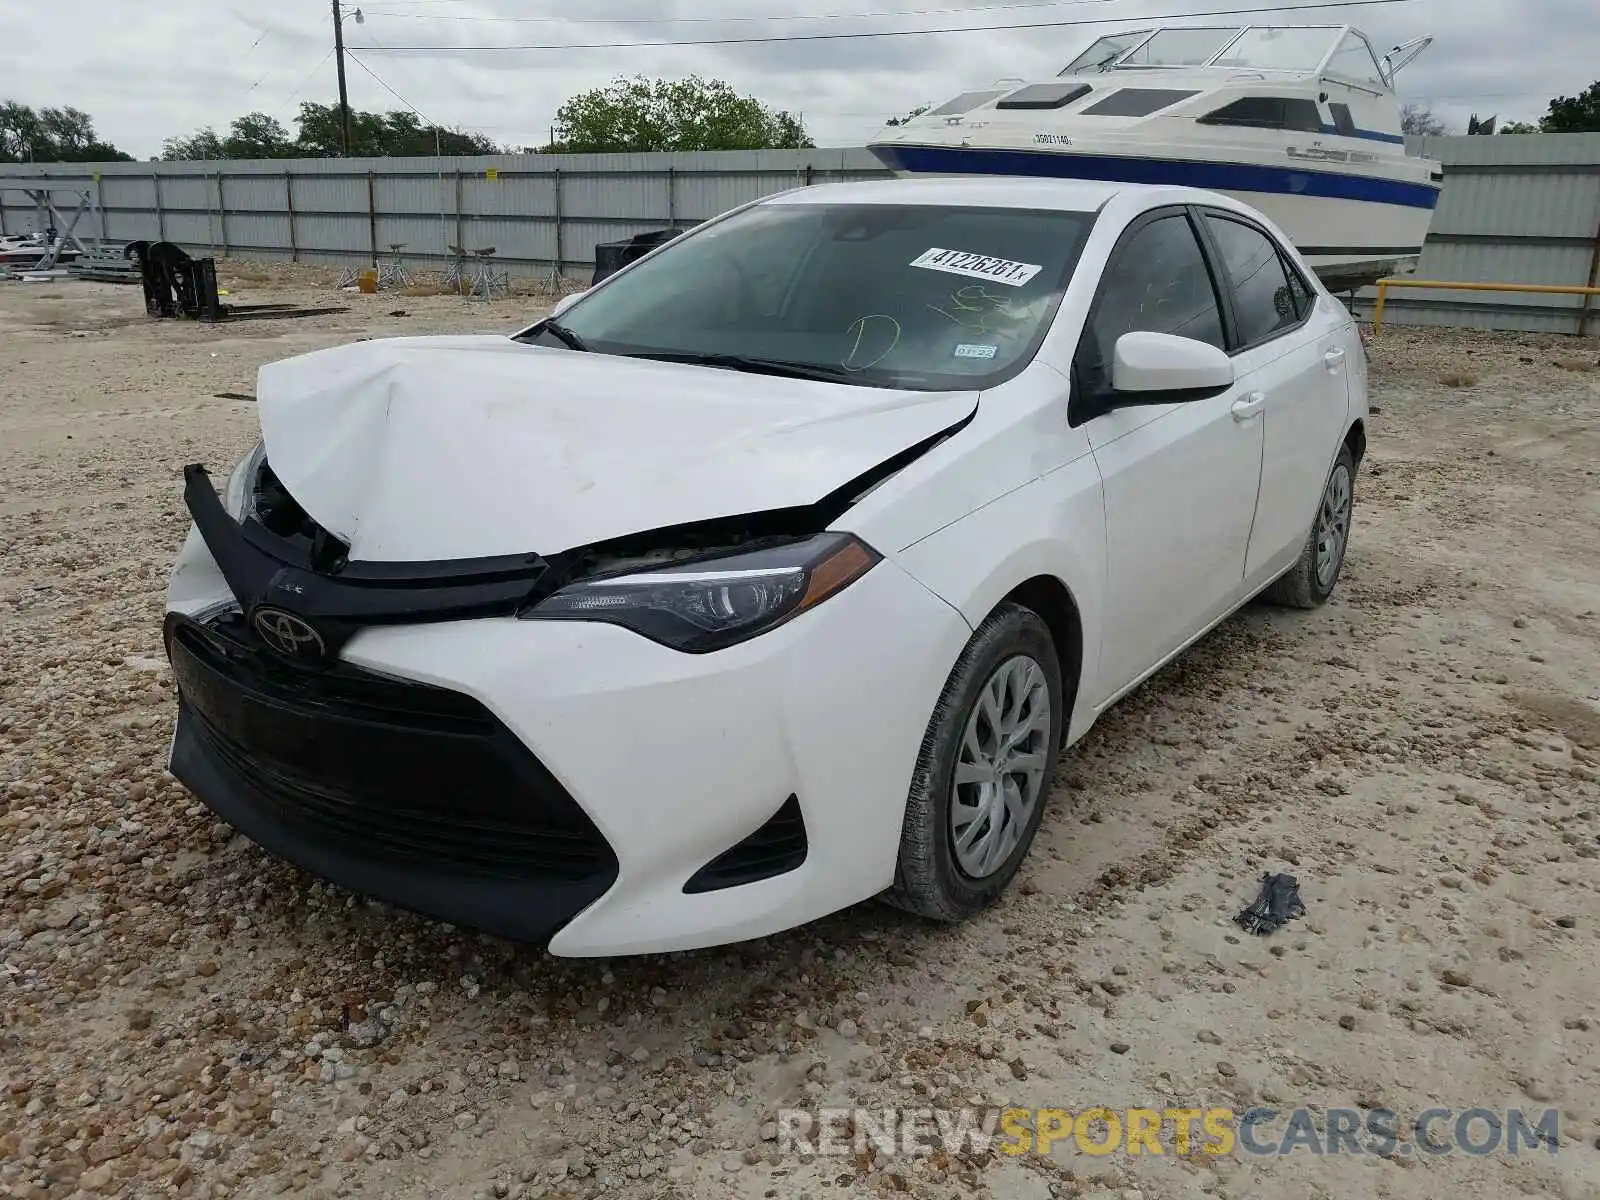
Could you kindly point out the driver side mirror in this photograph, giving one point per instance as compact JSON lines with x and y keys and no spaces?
{"x":1162,"y":368}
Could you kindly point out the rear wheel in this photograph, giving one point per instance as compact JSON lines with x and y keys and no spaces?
{"x":984,"y":771}
{"x":1311,"y":580}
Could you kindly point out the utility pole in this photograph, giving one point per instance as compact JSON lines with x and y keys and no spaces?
{"x":344,"y":96}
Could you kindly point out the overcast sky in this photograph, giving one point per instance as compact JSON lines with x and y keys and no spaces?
{"x":146,"y":71}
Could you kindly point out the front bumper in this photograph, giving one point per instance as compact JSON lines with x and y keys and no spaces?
{"x":667,"y":760}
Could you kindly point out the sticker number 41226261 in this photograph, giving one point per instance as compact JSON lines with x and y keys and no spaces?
{"x":976,"y":266}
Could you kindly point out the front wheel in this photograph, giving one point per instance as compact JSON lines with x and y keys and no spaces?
{"x":984,"y":771}
{"x":1311,"y":580}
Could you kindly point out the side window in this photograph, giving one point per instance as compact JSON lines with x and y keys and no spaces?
{"x":1157,"y":282}
{"x":1299,"y":292}
{"x":1262,"y":299}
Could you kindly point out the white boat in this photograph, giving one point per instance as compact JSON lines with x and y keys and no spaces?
{"x":23,"y":250}
{"x":1300,"y":121}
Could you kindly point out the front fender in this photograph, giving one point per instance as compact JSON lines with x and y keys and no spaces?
{"x":1054,"y":527}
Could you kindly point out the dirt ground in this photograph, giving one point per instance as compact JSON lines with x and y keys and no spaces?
{"x":182,"y":1015}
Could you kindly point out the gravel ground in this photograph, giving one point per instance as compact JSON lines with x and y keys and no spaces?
{"x":182,"y":1015}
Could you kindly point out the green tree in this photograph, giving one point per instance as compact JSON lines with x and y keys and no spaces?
{"x":909,"y":117}
{"x":397,"y":134}
{"x":52,"y":135}
{"x":639,"y":114}
{"x":1574,"y":114}
{"x":1519,"y":127}
{"x":256,"y":135}
{"x":202,"y":144}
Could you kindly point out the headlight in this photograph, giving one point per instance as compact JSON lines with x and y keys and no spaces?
{"x":240,"y":493}
{"x":709,"y":605}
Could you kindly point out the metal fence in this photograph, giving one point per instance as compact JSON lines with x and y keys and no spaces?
{"x":1514,"y":210}
{"x":535,"y":211}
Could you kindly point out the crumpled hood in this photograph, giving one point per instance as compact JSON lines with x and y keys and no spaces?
{"x":432,"y":448}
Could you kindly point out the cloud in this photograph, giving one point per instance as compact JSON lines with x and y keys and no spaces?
{"x":1491,"y":56}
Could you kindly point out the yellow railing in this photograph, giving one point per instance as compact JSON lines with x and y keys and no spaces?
{"x":1549,"y":289}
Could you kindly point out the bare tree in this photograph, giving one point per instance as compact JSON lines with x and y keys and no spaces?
{"x":1418,"y":118}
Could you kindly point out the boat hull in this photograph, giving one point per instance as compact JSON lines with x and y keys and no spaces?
{"x":1351,"y":228}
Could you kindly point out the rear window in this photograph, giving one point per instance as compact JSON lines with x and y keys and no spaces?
{"x":915,"y":296}
{"x":1136,"y":102}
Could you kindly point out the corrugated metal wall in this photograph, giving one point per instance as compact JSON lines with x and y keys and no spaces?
{"x":1514,"y":210}
{"x":534,"y":210}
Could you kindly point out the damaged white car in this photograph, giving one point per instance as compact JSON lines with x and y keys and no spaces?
{"x":767,"y":576}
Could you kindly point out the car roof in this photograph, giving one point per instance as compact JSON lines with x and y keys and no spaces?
{"x":992,"y":191}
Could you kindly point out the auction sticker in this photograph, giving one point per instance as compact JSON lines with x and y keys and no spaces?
{"x":976,"y":266}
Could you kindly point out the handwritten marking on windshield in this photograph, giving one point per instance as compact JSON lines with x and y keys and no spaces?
{"x":859,"y":328}
{"x":978,"y":307}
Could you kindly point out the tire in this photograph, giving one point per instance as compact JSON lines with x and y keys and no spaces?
{"x":931,"y":879}
{"x":1304,"y":585}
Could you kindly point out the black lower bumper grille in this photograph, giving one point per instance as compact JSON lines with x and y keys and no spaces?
{"x":777,"y":848}
{"x":416,"y":794}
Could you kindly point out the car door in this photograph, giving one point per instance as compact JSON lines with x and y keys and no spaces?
{"x":1295,"y":351}
{"x":1179,"y":479}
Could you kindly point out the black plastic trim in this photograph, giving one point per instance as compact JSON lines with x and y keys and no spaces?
{"x":413,"y":794}
{"x":778,"y":847}
{"x":262,"y":568}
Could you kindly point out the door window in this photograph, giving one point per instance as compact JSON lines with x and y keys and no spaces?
{"x":1157,"y":282}
{"x":1263,"y":302}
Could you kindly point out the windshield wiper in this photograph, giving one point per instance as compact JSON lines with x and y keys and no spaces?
{"x":563,"y":335}
{"x":756,"y":366}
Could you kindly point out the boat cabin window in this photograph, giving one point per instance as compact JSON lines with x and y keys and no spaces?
{"x":1103,"y":53}
{"x":1354,"y":61}
{"x":1299,"y":48}
{"x":1136,"y":102}
{"x":1269,"y":112}
{"x":1045,"y":95}
{"x":1180,"y":48}
{"x":965,"y":102}
{"x":1342,"y":120}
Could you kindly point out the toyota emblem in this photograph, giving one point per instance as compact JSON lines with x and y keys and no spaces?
{"x":289,"y":635}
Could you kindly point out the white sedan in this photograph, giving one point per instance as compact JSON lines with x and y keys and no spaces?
{"x":767,"y":576}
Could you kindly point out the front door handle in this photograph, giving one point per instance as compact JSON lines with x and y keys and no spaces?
{"x":1249,"y":407}
{"x":1334,"y":359}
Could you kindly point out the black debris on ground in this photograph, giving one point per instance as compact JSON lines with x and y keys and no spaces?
{"x":1277,"y":905}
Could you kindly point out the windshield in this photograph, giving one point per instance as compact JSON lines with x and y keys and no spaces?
{"x":1180,"y":48}
{"x":909,"y":296}
{"x":1099,"y":56}
{"x":1299,"y":48}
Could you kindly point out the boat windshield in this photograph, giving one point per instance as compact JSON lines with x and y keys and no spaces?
{"x":1104,"y":52}
{"x":1295,"y":48}
{"x":1180,"y":48}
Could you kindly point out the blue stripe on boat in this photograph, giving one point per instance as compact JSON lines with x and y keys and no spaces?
{"x":1369,"y":135}
{"x":1227,"y":177}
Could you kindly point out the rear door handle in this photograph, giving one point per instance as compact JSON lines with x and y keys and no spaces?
{"x":1249,"y":407}
{"x":1333,"y":358}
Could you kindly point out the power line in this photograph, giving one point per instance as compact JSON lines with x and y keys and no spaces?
{"x":904,"y":12}
{"x":384,"y":85}
{"x":883,"y":33}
